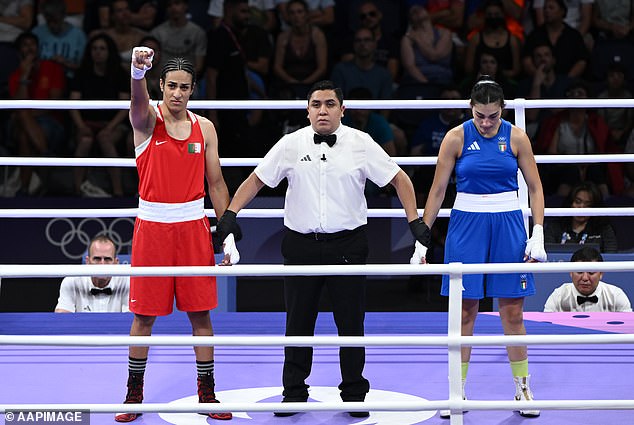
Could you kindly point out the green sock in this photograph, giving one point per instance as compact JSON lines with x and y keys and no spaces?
{"x":520,"y":368}
{"x":465,"y":368}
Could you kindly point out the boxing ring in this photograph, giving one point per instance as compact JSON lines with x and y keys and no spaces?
{"x":581,"y":363}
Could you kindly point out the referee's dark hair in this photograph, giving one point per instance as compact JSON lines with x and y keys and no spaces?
{"x":486,"y":90}
{"x":179,"y":64}
{"x":326,"y":85}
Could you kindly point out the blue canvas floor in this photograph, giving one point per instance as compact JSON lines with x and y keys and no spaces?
{"x":253,"y":374}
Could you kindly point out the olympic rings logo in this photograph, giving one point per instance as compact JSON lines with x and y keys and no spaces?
{"x":73,"y":239}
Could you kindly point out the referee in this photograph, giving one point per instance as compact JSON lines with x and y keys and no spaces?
{"x":325,"y":213}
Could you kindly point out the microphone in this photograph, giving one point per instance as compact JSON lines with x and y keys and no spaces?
{"x":323,"y":156}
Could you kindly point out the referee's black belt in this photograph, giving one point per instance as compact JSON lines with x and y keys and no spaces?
{"x":328,"y":236}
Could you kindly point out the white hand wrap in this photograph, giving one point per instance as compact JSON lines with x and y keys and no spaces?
{"x":139,"y":73}
{"x":420,"y":251}
{"x":229,"y":248}
{"x":535,"y":245}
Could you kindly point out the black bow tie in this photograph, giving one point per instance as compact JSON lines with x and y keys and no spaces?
{"x":97,"y":291}
{"x":593,"y":299}
{"x":330,"y":139}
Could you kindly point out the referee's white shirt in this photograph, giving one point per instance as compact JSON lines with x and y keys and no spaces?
{"x":75,"y":296}
{"x":326,"y":184}
{"x":611,"y":298}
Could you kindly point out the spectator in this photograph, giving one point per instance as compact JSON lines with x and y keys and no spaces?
{"x":100,"y":77}
{"x":226,"y":78}
{"x":426,"y":54}
{"x":363,"y":71}
{"x":96,"y":15}
{"x":179,"y":37}
{"x":495,"y":38}
{"x":513,"y":16}
{"x":263,"y":14}
{"x":576,"y":131}
{"x":16,"y":16}
{"x":612,"y":25}
{"x":446,"y":13}
{"x":567,"y":43}
{"x":125,"y":36}
{"x":488,"y":65}
{"x":320,"y":13}
{"x":582,"y":229}
{"x":258,"y":49}
{"x":545,"y":83}
{"x":387,"y":45}
{"x":619,"y":120}
{"x":427,"y":139}
{"x":146,"y":14}
{"x":613,"y":20}
{"x":60,"y":41}
{"x":349,"y":18}
{"x":95,"y":294}
{"x":578,"y":16}
{"x":587,"y":292}
{"x":37,"y":131}
{"x":301,"y":51}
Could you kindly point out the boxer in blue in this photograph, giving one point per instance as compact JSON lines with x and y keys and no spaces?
{"x":486,"y":223}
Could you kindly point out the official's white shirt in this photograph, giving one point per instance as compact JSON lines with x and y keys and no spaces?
{"x":75,"y":295}
{"x":326,"y":184}
{"x":611,"y":298}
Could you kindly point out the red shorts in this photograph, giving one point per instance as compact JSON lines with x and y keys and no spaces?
{"x":172,"y":244}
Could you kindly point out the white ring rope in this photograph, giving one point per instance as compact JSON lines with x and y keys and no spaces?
{"x":316,"y":341}
{"x":245,"y":162}
{"x":452,"y":269}
{"x":278,"y":212}
{"x":331,"y":406}
{"x":518,"y":103}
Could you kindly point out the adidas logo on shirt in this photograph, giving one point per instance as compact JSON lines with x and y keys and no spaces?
{"x":306,"y":158}
{"x":474,"y":146}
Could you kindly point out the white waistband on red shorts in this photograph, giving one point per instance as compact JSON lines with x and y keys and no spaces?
{"x":171,"y":213}
{"x":494,"y":202}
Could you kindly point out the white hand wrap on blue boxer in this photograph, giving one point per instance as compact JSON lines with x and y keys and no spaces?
{"x":535,"y":245}
{"x":230,"y":249}
{"x":420,"y":251}
{"x":139,"y":73}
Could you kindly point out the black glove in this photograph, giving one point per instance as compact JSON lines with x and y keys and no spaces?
{"x":228,"y":224}
{"x":421,"y":231}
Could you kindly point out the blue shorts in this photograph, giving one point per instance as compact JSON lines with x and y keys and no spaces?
{"x":500,"y":237}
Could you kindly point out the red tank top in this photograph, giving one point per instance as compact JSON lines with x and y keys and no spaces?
{"x":172,"y":170}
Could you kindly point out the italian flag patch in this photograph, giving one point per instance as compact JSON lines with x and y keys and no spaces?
{"x":193,"y":148}
{"x":502,"y":146}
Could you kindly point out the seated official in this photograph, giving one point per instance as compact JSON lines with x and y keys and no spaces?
{"x":587,"y":292}
{"x":97,"y":293}
{"x":582,"y":229}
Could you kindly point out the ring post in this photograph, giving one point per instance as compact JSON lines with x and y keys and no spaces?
{"x":454,"y":332}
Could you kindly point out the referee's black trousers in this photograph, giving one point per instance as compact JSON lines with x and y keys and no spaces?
{"x":347,"y":296}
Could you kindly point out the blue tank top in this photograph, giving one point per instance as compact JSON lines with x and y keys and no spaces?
{"x":487,"y":165}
